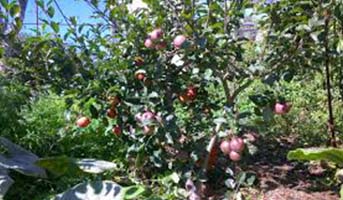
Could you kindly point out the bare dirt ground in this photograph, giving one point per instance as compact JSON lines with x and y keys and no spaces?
{"x":280,"y":179}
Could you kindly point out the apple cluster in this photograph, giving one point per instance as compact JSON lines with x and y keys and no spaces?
{"x":147,"y":120}
{"x":155,"y":40}
{"x":111,"y":113}
{"x":233,"y":148}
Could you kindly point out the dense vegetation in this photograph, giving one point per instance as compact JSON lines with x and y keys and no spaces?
{"x":178,"y":97}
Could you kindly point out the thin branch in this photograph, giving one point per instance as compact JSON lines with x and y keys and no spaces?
{"x":225,"y":17}
{"x":209,"y":14}
{"x":63,"y":15}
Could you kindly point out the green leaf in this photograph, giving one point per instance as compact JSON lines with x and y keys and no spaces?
{"x":55,"y":27}
{"x":73,"y":21}
{"x":4,"y":3}
{"x":65,"y":165}
{"x":51,"y":11}
{"x":329,"y":154}
{"x":15,"y":10}
{"x":19,"y":159}
{"x":267,"y":114}
{"x":95,"y":166}
{"x":59,"y":165}
{"x":18,"y":23}
{"x":5,"y":182}
{"x":40,"y":3}
{"x":133,"y":192}
{"x":259,"y":100}
{"x":104,"y":190}
{"x":94,"y":111}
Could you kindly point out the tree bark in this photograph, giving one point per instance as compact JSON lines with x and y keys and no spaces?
{"x":23,"y":6}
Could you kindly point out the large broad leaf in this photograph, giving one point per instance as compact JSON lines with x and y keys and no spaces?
{"x":59,"y":165}
{"x":133,"y":192}
{"x":97,"y":190}
{"x":328,"y":154}
{"x":20,"y":159}
{"x":5,"y":182}
{"x":95,"y":166}
{"x":65,"y":165}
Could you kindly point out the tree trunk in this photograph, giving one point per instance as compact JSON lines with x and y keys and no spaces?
{"x":23,"y":6}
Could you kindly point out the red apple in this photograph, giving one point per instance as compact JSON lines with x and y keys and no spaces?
{"x":191,"y":92}
{"x":148,"y":43}
{"x":138,"y":117}
{"x":156,"y":34}
{"x":140,"y":75}
{"x":83,"y":122}
{"x":116,"y":130}
{"x":148,"y":116}
{"x":237,"y":144}
{"x":234,"y":156}
{"x":225,"y":147}
{"x":111,"y":113}
{"x":179,"y":40}
{"x":281,"y":108}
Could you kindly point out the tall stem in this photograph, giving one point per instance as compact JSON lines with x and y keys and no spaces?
{"x":331,"y":128}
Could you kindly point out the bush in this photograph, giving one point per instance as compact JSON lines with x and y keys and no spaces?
{"x":44,"y":119}
{"x":13,"y":95}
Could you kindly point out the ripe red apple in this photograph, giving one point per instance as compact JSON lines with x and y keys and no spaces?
{"x":140,"y":75}
{"x":234,"y":156}
{"x":281,"y":108}
{"x":139,"y":117}
{"x":148,"y":43}
{"x":161,"y":45}
{"x":111,"y":113}
{"x":156,"y":34}
{"x":225,"y":147}
{"x":178,"y":41}
{"x":191,"y":92}
{"x":148,"y":116}
{"x":139,"y":61}
{"x":83,"y":122}
{"x":237,"y":144}
{"x":116,"y":130}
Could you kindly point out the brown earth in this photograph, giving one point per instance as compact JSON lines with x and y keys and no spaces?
{"x":280,"y":179}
